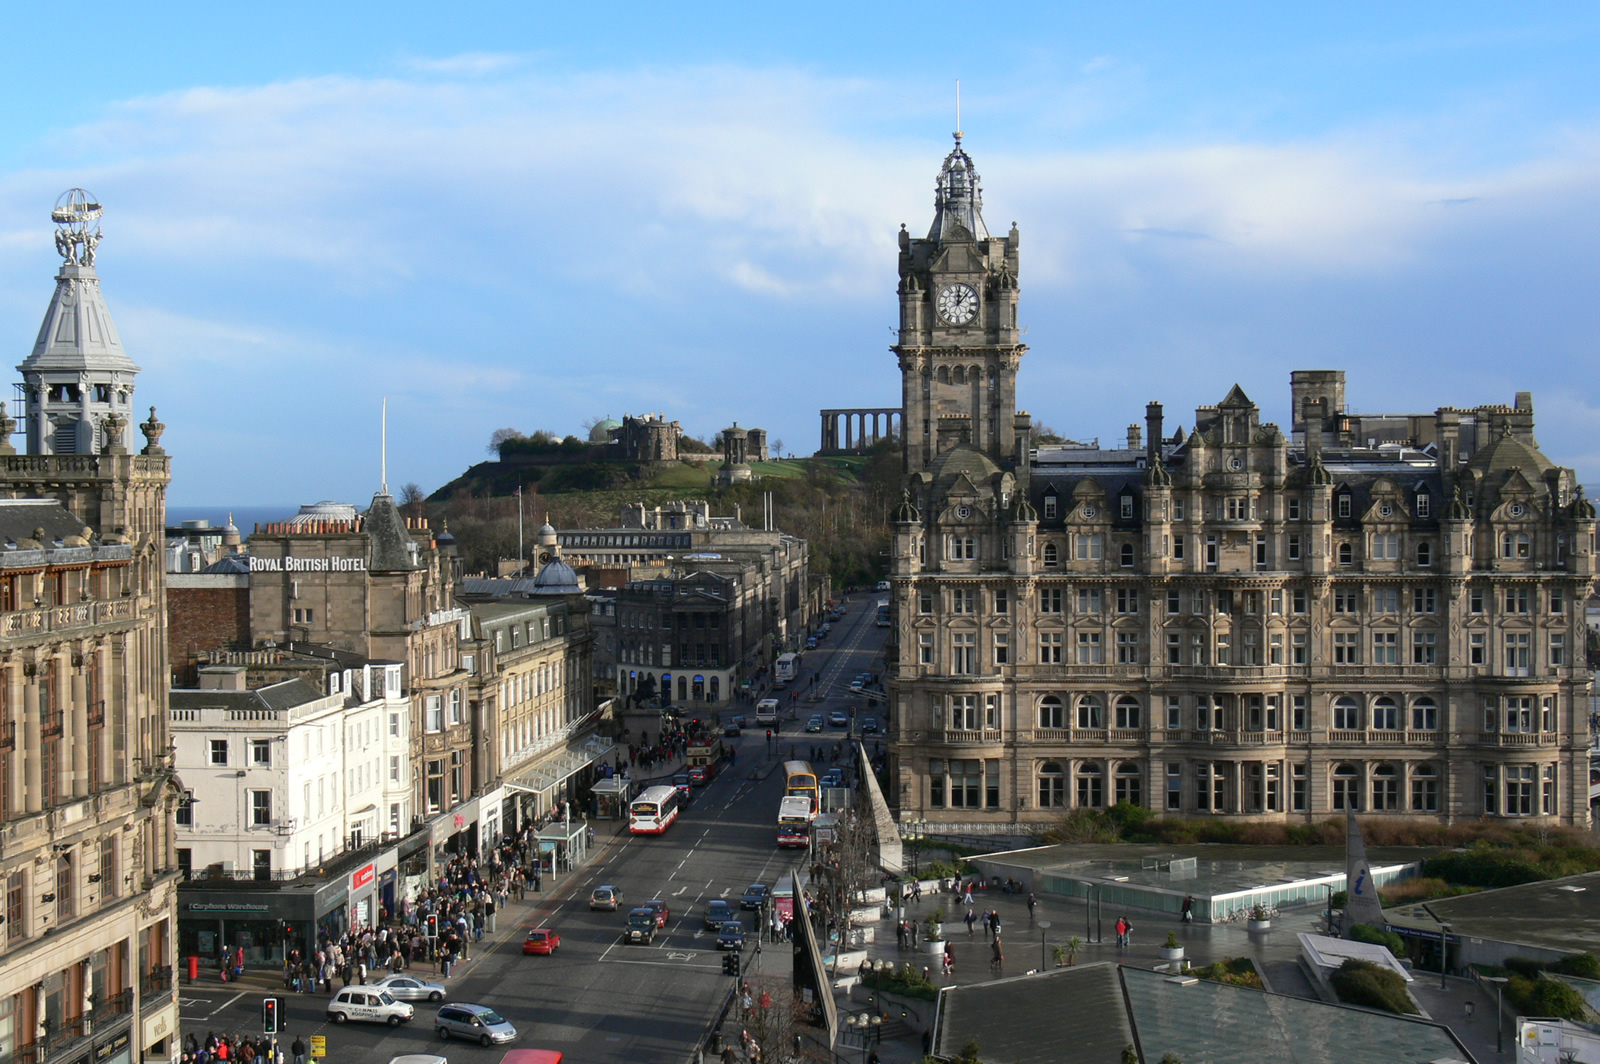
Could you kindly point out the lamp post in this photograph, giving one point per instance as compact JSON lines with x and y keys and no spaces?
{"x":1444,"y":951}
{"x":1499,"y":982}
{"x":1044,"y":925}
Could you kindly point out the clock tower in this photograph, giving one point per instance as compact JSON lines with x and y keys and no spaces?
{"x":959,"y":345}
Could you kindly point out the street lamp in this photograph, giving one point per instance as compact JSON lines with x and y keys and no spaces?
{"x":1499,"y":982}
{"x":1044,"y":925}
{"x":1444,"y":951}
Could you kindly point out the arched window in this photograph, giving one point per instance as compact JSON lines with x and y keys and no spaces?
{"x":1424,"y":789}
{"x":683,"y":689}
{"x":1091,"y":712}
{"x":1051,"y":556}
{"x":1091,"y":785}
{"x":1052,"y":714}
{"x":944,"y":374}
{"x":1129,"y":781}
{"x":1127,"y":551}
{"x":1346,"y":788}
{"x":1424,"y":715}
{"x":1129,"y":714}
{"x":1424,"y":554}
{"x":1052,"y":785}
{"x":1346,"y":713}
{"x":1346,"y":555}
{"x":961,"y":375}
{"x":1385,"y":713}
{"x":1515,"y":545}
{"x":1385,"y":787}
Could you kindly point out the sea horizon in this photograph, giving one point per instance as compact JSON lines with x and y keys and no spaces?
{"x":245,"y":516}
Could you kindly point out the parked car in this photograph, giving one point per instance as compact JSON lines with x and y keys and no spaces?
{"x":659,"y":907}
{"x":475,"y":1023}
{"x":811,"y":642}
{"x":815,"y":723}
{"x":368,"y":1004}
{"x":839,"y":719}
{"x":641,"y":926}
{"x":606,"y":897}
{"x":718,"y":912}
{"x":755,"y":896}
{"x":409,"y":988}
{"x":869,"y":726}
{"x":731,"y":936}
{"x":541,"y":940}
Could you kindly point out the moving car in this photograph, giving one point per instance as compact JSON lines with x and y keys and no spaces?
{"x":869,"y":725}
{"x":731,"y":731}
{"x":811,"y":642}
{"x":755,"y":896}
{"x":641,"y":926}
{"x":767,"y":711}
{"x":606,"y":897}
{"x":833,"y":778}
{"x":367,"y":1004}
{"x":883,"y":585}
{"x":680,"y":781}
{"x":815,"y":723}
{"x":475,"y":1023}
{"x":409,"y":988}
{"x":839,"y":719}
{"x":659,"y":907}
{"x":718,"y":912}
{"x":697,"y":775}
{"x":731,"y":936}
{"x":541,"y":940}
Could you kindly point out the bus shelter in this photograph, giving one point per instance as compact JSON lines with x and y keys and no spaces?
{"x":563,"y":844}
{"x":611,"y":798}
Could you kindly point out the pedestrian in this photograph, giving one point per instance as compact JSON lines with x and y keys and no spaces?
{"x":994,"y":922}
{"x":915,"y":927}
{"x":299,"y":1050}
{"x":949,"y":959}
{"x":1122,"y":932}
{"x":972,"y":920}
{"x":1032,"y":902}
{"x":997,"y":958}
{"x":1188,"y":908}
{"x":967,"y":901}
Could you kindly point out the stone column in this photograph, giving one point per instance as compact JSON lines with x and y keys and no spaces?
{"x":849,"y":427}
{"x":102,"y":771}
{"x":11,"y":676}
{"x":32,"y":746}
{"x":79,"y":736}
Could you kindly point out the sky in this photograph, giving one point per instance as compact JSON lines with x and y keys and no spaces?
{"x":530,"y":215}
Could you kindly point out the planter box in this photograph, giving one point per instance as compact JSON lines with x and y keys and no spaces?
{"x":936,"y":946}
{"x":1174,"y":954}
{"x":1258,"y":925}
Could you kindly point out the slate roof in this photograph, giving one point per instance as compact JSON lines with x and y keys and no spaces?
{"x":392,"y":546}
{"x":21,"y":518}
{"x":279,"y":696}
{"x":1030,"y":1019}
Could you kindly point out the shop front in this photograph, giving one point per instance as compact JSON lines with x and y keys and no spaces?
{"x":455,"y":834}
{"x":263,"y":924}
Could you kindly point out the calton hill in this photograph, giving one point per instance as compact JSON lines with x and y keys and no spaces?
{"x":839,"y":504}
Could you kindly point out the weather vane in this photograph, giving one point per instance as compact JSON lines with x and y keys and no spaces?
{"x":75,"y":215}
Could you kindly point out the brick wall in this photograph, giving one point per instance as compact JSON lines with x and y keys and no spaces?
{"x":204,"y":612}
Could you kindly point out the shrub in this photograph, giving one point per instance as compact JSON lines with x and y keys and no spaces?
{"x":1237,"y":971}
{"x":1544,"y":997}
{"x":1362,"y":983}
{"x":1377,"y":936}
{"x":904,"y":980}
{"x":1582,"y":965}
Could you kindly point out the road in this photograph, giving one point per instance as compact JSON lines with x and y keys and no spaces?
{"x":597,"y":999}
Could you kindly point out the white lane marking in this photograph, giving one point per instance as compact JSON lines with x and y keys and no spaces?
{"x":725,"y":892}
{"x":667,"y":964}
{"x":679,"y":891}
{"x":225,"y":1004}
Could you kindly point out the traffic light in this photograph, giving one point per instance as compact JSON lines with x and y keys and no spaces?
{"x":730,"y":964}
{"x":433,"y":926}
{"x":269,"y":1015}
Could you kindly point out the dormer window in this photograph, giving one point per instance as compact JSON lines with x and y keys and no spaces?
{"x":1126,"y":512}
{"x":1424,"y":504}
{"x":1049,"y":507}
{"x":1344,"y":506}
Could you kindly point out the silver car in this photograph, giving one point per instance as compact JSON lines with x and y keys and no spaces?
{"x":410,"y":988}
{"x":475,"y":1023}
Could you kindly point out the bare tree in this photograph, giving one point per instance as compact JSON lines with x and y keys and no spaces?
{"x":499,"y":436}
{"x":775,"y":1019}
{"x":776,"y":450}
{"x":413,"y":500}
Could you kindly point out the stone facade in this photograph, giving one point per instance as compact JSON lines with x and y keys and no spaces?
{"x":1380,"y":614}
{"x":87,"y":790}
{"x":649,"y":438}
{"x":691,"y":639}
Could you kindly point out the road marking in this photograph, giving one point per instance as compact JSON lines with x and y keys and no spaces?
{"x":225,"y":1004}
{"x":667,"y":964}
{"x":679,"y":891}
{"x":726,"y":891}
{"x":680,"y":956}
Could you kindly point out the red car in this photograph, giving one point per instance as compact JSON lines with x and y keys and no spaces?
{"x":541,"y":940}
{"x":659,"y":907}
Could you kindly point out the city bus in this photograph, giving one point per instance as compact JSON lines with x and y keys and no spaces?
{"x":704,"y":754}
{"x":783,"y":898}
{"x":801,"y":782}
{"x":787,"y":668}
{"x":654,"y":811}
{"x":883,"y":613}
{"x":794,"y":821}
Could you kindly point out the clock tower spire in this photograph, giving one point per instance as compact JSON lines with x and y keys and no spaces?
{"x":958,"y":341}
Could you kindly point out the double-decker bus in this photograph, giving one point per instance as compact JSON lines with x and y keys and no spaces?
{"x":794,"y":821}
{"x":801,"y":782}
{"x":703,"y":757}
{"x":787,"y":668}
{"x":654,"y":811}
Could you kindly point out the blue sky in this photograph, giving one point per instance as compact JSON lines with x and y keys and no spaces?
{"x":529,"y":215}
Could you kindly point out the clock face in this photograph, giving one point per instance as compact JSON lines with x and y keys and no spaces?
{"x":958,"y":304}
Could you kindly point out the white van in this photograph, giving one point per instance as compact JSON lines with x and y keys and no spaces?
{"x":767,"y":711}
{"x":367,"y":1004}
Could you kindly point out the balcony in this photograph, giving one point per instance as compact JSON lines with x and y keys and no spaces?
{"x":47,"y":619}
{"x":988,"y":735}
{"x":155,"y":989}
{"x":1518,"y":739}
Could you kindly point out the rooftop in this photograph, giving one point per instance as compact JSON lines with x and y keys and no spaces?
{"x":1562,"y":915}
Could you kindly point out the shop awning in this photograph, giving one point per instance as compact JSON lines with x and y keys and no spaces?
{"x":557,"y":766}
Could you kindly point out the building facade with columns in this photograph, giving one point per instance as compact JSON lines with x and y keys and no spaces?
{"x":855,"y":431}
{"x":1378,"y":614}
{"x":87,"y":789}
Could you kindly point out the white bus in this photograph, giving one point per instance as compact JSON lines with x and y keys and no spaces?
{"x":654,"y":811}
{"x":883,"y":613}
{"x":794,"y":821}
{"x":787,"y":668}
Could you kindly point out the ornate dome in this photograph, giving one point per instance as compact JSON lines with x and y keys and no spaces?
{"x":557,"y":578}
{"x":601,"y":433}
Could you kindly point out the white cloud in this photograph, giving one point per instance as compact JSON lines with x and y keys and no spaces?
{"x":504,"y":243}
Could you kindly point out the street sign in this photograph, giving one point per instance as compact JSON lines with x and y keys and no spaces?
{"x":319,"y":1046}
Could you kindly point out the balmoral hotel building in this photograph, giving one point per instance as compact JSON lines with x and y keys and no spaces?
{"x":86,"y":784}
{"x":1382,"y":614}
